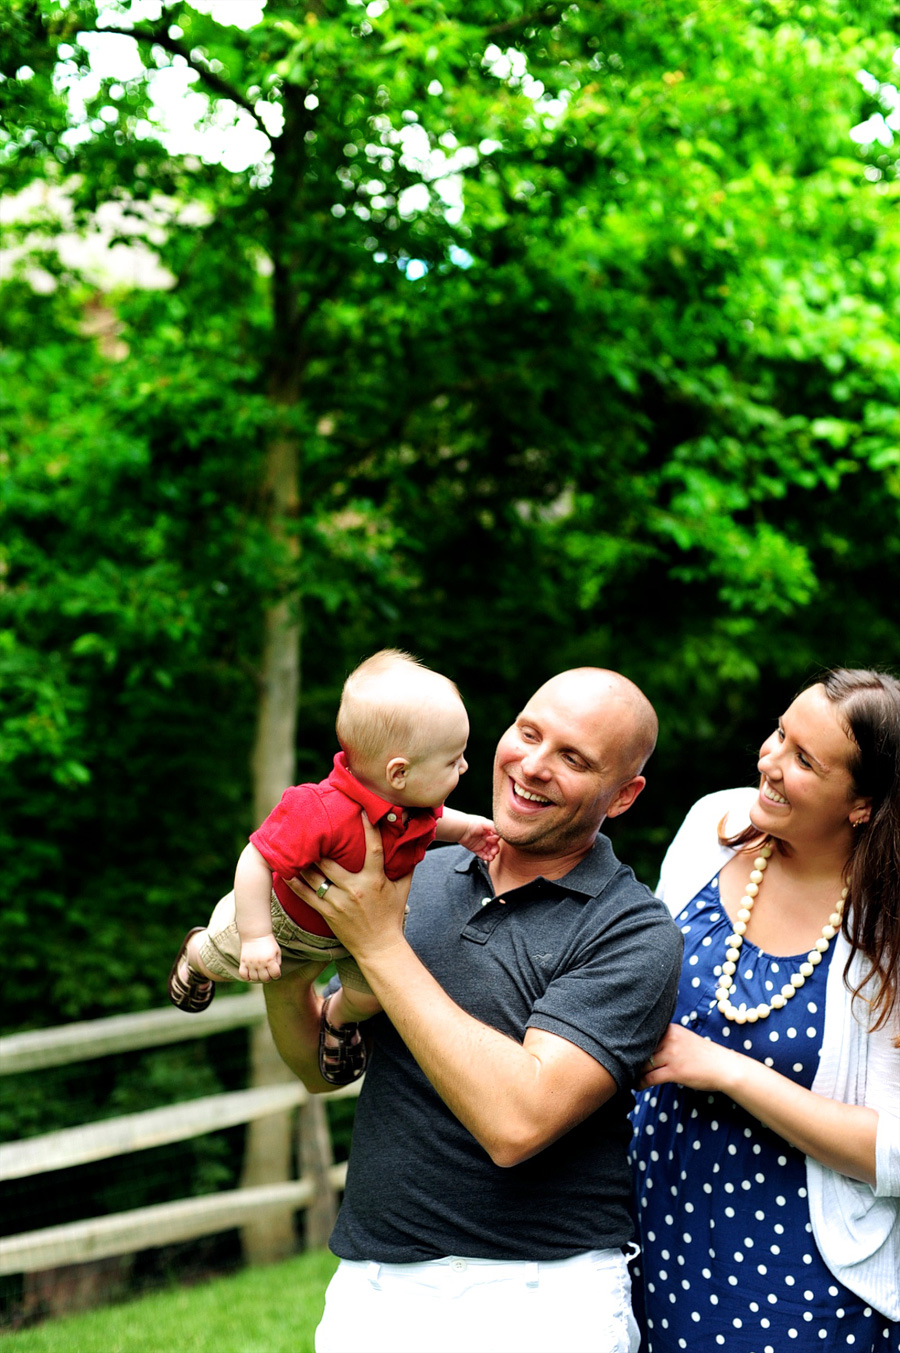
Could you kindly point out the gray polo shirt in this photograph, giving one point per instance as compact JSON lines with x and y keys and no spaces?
{"x":592,"y":957}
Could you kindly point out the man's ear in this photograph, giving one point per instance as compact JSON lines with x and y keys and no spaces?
{"x":625,"y":796}
{"x":396,"y":772}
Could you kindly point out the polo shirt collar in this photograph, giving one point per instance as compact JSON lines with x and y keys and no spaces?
{"x":589,"y":877}
{"x":374,"y":807}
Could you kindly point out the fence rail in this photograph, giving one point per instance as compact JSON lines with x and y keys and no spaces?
{"x":91,"y":1038}
{"x":147,"y":1227}
{"x":185,"y":1219}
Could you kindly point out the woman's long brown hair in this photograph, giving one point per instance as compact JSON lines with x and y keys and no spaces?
{"x":868,"y":705}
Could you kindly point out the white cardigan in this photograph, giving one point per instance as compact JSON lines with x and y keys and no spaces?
{"x":857,"y":1229}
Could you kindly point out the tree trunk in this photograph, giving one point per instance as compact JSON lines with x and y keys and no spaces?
{"x":316,"y":1157}
{"x":274,"y":753}
{"x":268,"y":1159}
{"x":268,"y":1151}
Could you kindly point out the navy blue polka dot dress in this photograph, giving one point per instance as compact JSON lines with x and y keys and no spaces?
{"x":728,"y":1257}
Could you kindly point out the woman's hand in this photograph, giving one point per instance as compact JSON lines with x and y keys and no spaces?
{"x":841,"y":1136}
{"x":690,"y":1060}
{"x":364,"y":910}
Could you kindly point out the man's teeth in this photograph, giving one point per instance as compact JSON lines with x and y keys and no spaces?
{"x":521,"y":793}
{"x":773,"y":795}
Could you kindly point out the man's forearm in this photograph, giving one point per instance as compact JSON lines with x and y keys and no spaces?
{"x":294,"y":1011}
{"x":513,"y":1098}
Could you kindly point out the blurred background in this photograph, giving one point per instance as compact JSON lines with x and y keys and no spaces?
{"x":518,"y":335}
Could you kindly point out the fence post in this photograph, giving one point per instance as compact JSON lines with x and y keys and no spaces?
{"x":315,"y":1156}
{"x":268,"y":1158}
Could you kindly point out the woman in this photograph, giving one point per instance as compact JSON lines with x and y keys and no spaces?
{"x":767,"y":1142}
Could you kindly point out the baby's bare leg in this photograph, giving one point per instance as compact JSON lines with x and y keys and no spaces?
{"x":193,"y":957}
{"x":349,"y":1007}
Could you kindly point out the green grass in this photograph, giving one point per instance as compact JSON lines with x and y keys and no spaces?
{"x":260,"y":1310}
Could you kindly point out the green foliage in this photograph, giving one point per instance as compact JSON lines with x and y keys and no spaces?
{"x":580,"y":323}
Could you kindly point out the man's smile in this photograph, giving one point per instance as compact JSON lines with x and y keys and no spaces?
{"x":528,"y":795}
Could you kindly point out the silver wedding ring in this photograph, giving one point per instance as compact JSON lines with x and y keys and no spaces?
{"x":323,"y":888}
{"x":651,"y":1063}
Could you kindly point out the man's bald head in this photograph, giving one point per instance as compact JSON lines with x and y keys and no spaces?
{"x":572,"y":758}
{"x":597,"y":692}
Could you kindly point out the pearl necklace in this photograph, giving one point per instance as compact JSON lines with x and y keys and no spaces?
{"x":725,"y":990}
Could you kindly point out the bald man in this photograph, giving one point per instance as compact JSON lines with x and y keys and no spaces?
{"x":487,"y":1200}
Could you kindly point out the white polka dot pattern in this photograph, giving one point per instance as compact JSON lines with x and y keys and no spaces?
{"x":721,"y":1202}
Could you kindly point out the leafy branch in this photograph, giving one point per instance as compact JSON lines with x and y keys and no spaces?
{"x":211,"y":78}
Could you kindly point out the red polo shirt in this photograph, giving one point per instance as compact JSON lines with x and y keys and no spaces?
{"x":317,"y":822}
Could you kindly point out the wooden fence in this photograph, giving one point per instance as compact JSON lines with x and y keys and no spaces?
{"x":165,"y":1223}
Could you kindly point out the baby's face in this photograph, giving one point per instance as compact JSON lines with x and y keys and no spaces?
{"x":436,"y":773}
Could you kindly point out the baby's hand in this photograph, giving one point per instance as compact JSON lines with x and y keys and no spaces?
{"x":481,"y":838}
{"x":260,"y":960}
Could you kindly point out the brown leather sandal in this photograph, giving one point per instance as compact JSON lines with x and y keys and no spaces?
{"x":344,"y":1063}
{"x":197,"y":992}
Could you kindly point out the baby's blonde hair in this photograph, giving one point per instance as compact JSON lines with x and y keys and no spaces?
{"x":387,"y":708}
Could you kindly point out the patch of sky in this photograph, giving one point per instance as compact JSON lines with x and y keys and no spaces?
{"x":183,"y":118}
{"x":438,"y":167}
{"x":880,"y":127}
{"x":511,"y":66}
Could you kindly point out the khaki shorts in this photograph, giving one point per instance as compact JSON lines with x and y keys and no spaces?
{"x":301,"y":951}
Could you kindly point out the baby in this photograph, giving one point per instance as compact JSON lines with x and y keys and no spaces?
{"x":403,"y":730}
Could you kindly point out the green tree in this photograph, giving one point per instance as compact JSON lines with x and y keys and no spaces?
{"x":535,"y":337}
{"x":532,"y":336}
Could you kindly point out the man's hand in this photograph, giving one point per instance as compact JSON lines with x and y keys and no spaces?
{"x":260,"y":960}
{"x":364,"y":910}
{"x":481,"y":838}
{"x":515,"y":1098}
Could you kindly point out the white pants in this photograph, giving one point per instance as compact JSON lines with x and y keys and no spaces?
{"x":456,"y":1305}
